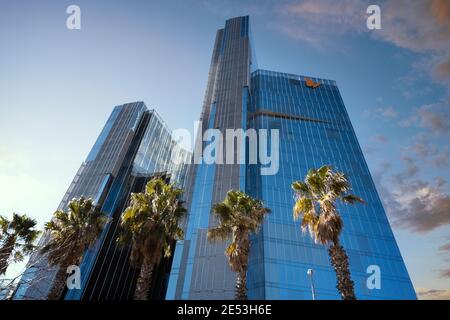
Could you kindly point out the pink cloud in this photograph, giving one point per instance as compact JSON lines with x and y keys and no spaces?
{"x":433,"y":294}
{"x":317,"y":21}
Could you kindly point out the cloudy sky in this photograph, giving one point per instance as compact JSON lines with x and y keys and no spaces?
{"x":57,"y":88}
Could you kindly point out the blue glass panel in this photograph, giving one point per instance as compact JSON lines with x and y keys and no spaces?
{"x":104,"y":134}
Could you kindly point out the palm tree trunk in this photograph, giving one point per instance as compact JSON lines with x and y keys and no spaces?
{"x":241,"y":286}
{"x":58,"y":284}
{"x":339,"y":260}
{"x":241,"y":280}
{"x":5,"y":254}
{"x":144,"y":281}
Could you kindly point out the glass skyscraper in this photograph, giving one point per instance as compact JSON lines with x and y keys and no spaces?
{"x":133,"y":146}
{"x":314,"y":130}
{"x":200,"y":269}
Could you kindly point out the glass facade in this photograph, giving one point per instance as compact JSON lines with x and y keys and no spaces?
{"x":133,"y":146}
{"x":314,"y":130}
{"x":200,"y":270}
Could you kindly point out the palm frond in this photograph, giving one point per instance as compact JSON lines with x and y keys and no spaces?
{"x":352,"y":199}
{"x":150,"y":223}
{"x":302,"y":205}
{"x":73,"y":231}
{"x":223,"y":211}
{"x":321,"y":188}
{"x":329,"y":227}
{"x":219,"y":233}
{"x":301,"y":188}
{"x":238,"y":216}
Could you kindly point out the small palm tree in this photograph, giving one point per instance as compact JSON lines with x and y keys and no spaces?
{"x":239,"y":215}
{"x":17,"y":239}
{"x":315,"y":205}
{"x":71,"y":234}
{"x":150,"y":224}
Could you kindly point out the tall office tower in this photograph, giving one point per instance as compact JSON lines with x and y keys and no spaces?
{"x":133,"y":146}
{"x":200,"y":270}
{"x":314,"y":130}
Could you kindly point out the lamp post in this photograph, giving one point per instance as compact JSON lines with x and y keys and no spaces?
{"x":313,"y":290}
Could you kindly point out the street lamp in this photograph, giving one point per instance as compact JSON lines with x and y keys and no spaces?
{"x":313,"y":290}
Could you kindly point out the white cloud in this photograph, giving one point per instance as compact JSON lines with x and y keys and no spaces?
{"x":388,"y":112}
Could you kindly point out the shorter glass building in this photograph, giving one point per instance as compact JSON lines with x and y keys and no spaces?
{"x":134,"y":146}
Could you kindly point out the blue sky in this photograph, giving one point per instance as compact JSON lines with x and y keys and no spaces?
{"x":58,"y":86}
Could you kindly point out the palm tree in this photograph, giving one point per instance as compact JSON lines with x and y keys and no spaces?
{"x":71,"y":232}
{"x":238,"y":215}
{"x":17,"y":239}
{"x":315,"y":205}
{"x":150,"y":224}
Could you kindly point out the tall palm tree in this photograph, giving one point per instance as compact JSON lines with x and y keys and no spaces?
{"x":315,"y":205}
{"x":17,"y":239}
{"x":150,"y":224}
{"x":71,"y":232}
{"x":238,"y":215}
